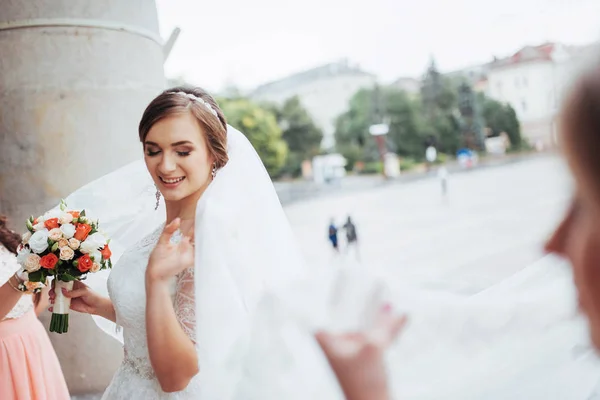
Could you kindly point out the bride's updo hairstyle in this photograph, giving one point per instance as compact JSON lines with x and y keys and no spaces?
{"x":203,"y":106}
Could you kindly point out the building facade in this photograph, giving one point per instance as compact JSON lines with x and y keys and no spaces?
{"x":534,"y":81}
{"x":324,"y":92}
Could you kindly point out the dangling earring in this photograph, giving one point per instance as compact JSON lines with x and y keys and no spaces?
{"x":157,"y":198}
{"x":214,"y":170}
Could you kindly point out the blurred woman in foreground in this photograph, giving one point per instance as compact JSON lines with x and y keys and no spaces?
{"x":358,"y":358}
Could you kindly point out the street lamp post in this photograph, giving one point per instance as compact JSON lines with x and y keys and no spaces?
{"x":378,"y":131}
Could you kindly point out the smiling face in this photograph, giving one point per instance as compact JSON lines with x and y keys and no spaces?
{"x":177,"y":156}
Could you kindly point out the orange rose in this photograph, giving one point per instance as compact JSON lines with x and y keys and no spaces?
{"x":84,"y":263}
{"x":51,"y":223}
{"x":82,"y":231}
{"x":75,"y":214}
{"x":49,"y":261}
{"x":106,"y":253}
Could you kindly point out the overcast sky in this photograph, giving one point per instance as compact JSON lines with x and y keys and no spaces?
{"x":246,"y":43}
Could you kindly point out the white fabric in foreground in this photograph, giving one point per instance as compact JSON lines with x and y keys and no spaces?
{"x":519,"y":340}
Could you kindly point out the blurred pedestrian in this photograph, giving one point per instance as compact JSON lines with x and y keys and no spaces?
{"x":333,"y":235}
{"x":351,"y":237}
{"x":443,"y":177}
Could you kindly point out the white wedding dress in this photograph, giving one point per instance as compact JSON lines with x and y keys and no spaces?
{"x":135,"y":378}
{"x":244,"y":247}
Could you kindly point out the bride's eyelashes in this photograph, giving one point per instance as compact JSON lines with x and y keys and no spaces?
{"x":150,"y":153}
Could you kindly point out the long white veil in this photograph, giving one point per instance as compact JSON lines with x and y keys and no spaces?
{"x":244,"y":248}
{"x":522,"y":339}
{"x":257,"y":306}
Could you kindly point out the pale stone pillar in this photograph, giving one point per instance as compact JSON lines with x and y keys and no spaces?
{"x":75,"y":76}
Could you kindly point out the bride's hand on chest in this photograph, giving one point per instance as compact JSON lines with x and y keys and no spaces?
{"x":170,"y":257}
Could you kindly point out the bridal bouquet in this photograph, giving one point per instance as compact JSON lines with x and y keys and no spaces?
{"x":65,"y":245}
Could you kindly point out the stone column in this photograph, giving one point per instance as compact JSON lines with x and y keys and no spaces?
{"x":75,"y":77}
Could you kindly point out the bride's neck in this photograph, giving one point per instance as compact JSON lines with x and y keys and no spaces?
{"x":185,"y":208}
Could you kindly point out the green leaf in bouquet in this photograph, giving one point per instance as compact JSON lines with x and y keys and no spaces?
{"x":51,"y":272}
{"x":67,"y":277}
{"x":73,"y":271}
{"x":37,"y":276}
{"x":110,"y":263}
{"x":63,"y":205}
{"x":54,"y":247}
{"x":29,"y":225}
{"x":82,"y":213}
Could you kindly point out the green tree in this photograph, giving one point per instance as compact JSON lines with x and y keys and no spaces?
{"x":438,"y":93}
{"x":352,"y":127}
{"x":500,"y":118}
{"x":444,"y":131}
{"x":302,"y":136}
{"x":439,"y":100}
{"x":299,"y":131}
{"x":406,"y":134}
{"x":402,"y":113}
{"x":261,"y":128}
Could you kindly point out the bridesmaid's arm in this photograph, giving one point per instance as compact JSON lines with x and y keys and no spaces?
{"x":40,"y":300}
{"x":172,"y":353}
{"x":9,"y":296}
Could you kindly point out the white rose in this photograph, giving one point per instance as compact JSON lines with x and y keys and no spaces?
{"x":96,"y":256}
{"x":95,"y":267}
{"x":98,"y":238}
{"x":39,"y":226}
{"x":55,"y":234}
{"x":22,"y":255}
{"x":23,"y":275}
{"x":25,"y":237}
{"x":93,"y":243}
{"x":66,"y":218}
{"x":66,"y":253}
{"x":74,"y":243}
{"x":39,"y":241}
{"x":68,"y":230}
{"x":56,"y":213}
{"x":32,"y":263}
{"x":88,"y":247}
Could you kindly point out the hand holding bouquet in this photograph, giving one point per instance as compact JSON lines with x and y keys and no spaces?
{"x":65,"y":245}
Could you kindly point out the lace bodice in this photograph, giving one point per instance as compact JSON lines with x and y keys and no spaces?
{"x":126,"y":285}
{"x":8,"y":266}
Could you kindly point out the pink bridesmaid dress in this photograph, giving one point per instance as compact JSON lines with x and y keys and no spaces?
{"x":29,"y":368}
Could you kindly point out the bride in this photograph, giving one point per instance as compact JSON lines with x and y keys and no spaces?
{"x":193,"y":257}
